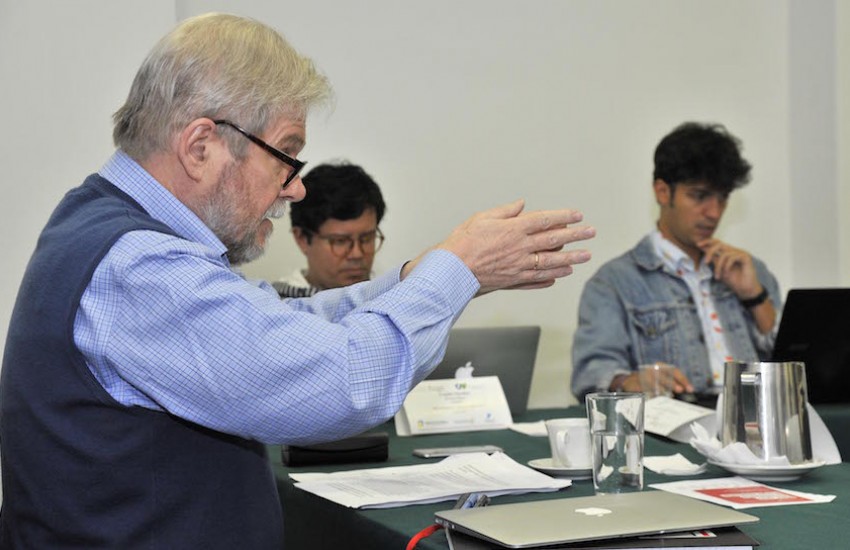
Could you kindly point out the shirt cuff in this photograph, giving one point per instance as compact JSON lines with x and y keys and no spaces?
{"x":764,"y":341}
{"x":447,"y":272}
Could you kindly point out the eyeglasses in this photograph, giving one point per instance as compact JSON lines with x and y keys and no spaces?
{"x":293,"y":163}
{"x":342,"y":245}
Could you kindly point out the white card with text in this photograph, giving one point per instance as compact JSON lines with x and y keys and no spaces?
{"x":454,"y":405}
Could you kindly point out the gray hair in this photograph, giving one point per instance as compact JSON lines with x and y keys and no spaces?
{"x":218,"y":66}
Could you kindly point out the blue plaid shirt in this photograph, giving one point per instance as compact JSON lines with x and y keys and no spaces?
{"x":166,"y":324}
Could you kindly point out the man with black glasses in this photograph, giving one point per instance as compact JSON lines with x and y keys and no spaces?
{"x":336,"y":228}
{"x":142,"y":376}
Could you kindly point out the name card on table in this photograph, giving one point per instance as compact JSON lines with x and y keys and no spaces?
{"x":454,"y":405}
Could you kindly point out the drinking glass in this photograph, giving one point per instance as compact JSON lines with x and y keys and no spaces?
{"x":616,"y":433}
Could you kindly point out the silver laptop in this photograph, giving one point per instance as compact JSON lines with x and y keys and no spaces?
{"x":578,"y":519}
{"x":506,"y":352}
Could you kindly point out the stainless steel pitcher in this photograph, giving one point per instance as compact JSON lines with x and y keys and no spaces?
{"x":764,"y":406}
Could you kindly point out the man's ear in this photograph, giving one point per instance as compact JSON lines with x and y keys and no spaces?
{"x":663,"y":192}
{"x":300,"y":237}
{"x":197,"y":145}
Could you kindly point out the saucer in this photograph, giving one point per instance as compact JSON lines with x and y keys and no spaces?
{"x":548,"y":467}
{"x":766,"y":472}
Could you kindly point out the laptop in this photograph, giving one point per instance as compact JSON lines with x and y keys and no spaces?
{"x":506,"y":352}
{"x":722,"y":538}
{"x":814,"y":329}
{"x":580,"y":519}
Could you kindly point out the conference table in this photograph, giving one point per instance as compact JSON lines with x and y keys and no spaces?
{"x":312,"y":522}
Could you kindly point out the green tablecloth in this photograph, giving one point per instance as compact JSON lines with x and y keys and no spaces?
{"x":311,"y":522}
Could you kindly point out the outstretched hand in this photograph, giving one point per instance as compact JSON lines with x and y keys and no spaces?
{"x":505,"y":247}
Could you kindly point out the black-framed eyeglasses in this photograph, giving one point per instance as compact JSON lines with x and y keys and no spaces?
{"x":342,"y":245}
{"x":293,"y":163}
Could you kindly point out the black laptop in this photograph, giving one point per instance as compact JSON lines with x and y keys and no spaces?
{"x":815,"y":329}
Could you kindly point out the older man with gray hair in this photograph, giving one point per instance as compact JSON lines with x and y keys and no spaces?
{"x":142,"y":375}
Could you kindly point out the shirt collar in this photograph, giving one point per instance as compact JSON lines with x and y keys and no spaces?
{"x":128,"y":176}
{"x":674,"y":259}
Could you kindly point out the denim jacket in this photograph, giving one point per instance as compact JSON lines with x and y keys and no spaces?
{"x":633,"y":312}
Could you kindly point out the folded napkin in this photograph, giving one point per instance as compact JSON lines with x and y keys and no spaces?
{"x":734,"y":453}
{"x":673,"y":465}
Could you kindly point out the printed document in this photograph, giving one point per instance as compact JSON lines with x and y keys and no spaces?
{"x":495,"y":474}
{"x":672,"y":418}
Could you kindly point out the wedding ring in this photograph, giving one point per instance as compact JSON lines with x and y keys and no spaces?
{"x":536,"y":260}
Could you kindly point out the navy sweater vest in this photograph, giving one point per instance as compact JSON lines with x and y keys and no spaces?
{"x":83,"y":471}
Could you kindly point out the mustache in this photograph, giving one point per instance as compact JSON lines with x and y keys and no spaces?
{"x":276,"y":210}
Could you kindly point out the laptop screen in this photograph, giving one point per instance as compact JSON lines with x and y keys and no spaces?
{"x":814,"y":329}
{"x":506,"y":352}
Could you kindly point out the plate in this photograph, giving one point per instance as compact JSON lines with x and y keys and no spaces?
{"x":759,"y":472}
{"x":548,"y":467}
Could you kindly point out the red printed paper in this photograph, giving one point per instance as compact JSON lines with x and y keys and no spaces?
{"x":753,"y":495}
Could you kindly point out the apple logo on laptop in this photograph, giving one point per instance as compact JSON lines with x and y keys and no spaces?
{"x":465,"y":371}
{"x":593,"y":512}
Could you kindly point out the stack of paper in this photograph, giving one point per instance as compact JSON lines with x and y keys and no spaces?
{"x":495,"y":474}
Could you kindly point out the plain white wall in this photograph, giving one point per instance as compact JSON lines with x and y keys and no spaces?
{"x":455,"y":107}
{"x":813,"y":131}
{"x":842,"y":31}
{"x":65,"y":67}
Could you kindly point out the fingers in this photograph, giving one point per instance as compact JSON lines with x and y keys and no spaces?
{"x":727,"y":260}
{"x":716,"y":250}
{"x":503,"y":211}
{"x":551,"y":265}
{"x":533,"y":285}
{"x":667,"y":376}
{"x":670,"y":377}
{"x":557,"y":237}
{"x":546,"y":220}
{"x":724,"y":257}
{"x":681,"y":382}
{"x":631,"y":383}
{"x":555,"y":259}
{"x":505,"y":247}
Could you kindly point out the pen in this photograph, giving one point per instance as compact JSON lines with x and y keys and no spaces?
{"x":472,"y":500}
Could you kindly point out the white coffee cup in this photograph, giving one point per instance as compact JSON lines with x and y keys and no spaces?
{"x":569,"y":439}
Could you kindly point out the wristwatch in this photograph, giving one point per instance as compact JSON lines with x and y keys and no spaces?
{"x":756,"y":300}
